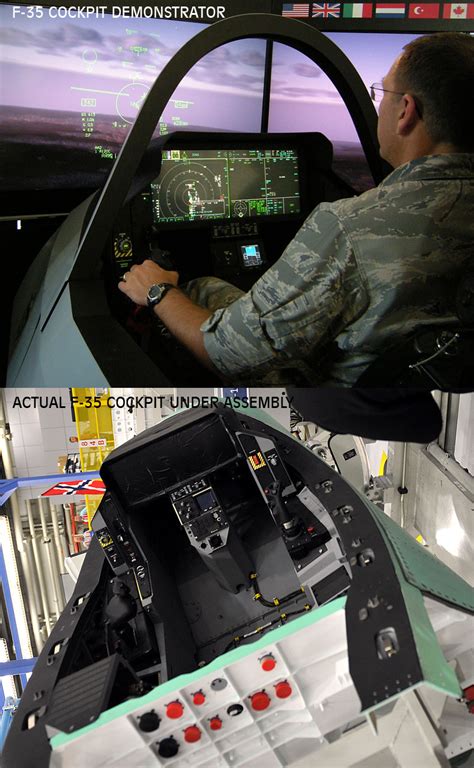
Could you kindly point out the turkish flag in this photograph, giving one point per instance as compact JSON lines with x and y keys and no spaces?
{"x":423,"y":11}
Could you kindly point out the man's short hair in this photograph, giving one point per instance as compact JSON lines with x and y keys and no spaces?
{"x":438,"y":70}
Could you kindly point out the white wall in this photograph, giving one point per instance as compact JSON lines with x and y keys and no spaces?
{"x":438,"y":506}
{"x":464,"y":446}
{"x":39,"y":435}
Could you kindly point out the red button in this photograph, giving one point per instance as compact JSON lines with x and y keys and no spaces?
{"x":174,"y":710}
{"x":260,"y":700}
{"x":192,"y":734}
{"x":283,"y":690}
{"x":215,"y":724}
{"x":199,"y":698}
{"x":469,"y":693}
{"x":268,"y":663}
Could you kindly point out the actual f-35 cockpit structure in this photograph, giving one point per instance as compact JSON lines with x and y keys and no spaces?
{"x":241,"y":602}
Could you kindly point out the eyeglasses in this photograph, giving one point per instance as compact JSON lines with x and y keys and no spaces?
{"x":376,"y":91}
{"x":376,"y":94}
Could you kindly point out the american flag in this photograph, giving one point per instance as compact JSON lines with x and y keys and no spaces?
{"x":71,"y":487}
{"x":326,"y":10}
{"x":295,"y":10}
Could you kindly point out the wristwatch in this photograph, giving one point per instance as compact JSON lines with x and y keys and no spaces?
{"x":156,"y":293}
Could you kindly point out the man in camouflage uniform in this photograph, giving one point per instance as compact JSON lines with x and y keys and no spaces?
{"x":362,"y":272}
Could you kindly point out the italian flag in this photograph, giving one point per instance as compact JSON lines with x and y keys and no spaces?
{"x":357,"y":10}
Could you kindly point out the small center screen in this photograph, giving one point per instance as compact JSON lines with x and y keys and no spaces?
{"x":251,"y":256}
{"x":206,"y":500}
{"x":198,"y":185}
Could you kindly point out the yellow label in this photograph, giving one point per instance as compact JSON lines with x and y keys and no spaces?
{"x":257,"y":461}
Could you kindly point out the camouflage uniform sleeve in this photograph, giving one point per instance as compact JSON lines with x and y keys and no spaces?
{"x":313,"y":291}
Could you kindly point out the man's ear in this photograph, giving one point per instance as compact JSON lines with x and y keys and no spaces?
{"x":408,"y":115}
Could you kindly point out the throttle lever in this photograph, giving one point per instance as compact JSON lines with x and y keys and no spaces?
{"x":163,"y":259}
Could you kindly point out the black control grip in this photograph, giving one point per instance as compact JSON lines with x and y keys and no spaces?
{"x":274,"y":494}
{"x":163,"y":259}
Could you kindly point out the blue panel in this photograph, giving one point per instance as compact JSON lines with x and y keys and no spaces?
{"x":17,"y":666}
{"x":9,"y":604}
{"x":10,"y":613}
{"x":9,"y":706}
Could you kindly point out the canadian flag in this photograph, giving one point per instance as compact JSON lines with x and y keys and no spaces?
{"x":458,"y":11}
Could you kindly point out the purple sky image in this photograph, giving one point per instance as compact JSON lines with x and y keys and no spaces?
{"x":304,"y":99}
{"x":55,"y":65}
{"x":205,"y":108}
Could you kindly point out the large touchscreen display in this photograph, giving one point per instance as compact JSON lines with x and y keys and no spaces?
{"x":205,"y":184}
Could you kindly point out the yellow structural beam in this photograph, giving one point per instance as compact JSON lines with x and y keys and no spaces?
{"x":94,"y":432}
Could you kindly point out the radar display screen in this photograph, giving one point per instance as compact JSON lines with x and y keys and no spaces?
{"x":204,"y":184}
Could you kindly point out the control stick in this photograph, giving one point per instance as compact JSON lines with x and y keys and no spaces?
{"x":297,"y":539}
{"x":163,"y":259}
{"x":290,"y":523}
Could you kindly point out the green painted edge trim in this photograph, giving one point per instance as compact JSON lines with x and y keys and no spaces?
{"x":434,"y":667}
{"x":461,"y":592}
{"x":274,"y":636}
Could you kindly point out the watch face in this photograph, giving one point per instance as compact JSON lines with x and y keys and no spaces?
{"x":155,"y":292}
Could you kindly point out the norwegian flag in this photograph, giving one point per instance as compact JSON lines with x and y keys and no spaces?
{"x":73,"y":487}
{"x":326,"y":10}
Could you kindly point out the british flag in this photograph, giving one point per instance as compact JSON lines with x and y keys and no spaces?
{"x":71,"y":487}
{"x":326,"y":10}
